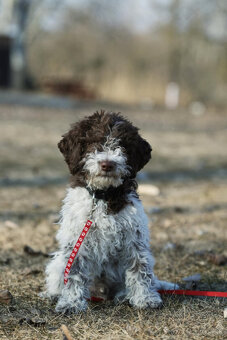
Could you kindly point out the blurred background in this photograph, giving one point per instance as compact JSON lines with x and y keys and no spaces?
{"x":161,"y":53}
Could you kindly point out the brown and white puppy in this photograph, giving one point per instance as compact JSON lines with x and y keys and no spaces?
{"x":104,"y":152}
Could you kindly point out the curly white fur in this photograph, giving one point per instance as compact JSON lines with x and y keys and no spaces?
{"x":116,"y":244}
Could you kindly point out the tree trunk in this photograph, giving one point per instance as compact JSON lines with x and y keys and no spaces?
{"x":18,"y":47}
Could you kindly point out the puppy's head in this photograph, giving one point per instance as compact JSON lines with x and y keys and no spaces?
{"x":104,"y":149}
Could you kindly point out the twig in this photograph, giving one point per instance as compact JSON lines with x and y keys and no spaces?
{"x":66,"y":333}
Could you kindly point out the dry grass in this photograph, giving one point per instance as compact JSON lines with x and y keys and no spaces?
{"x":188,"y":166}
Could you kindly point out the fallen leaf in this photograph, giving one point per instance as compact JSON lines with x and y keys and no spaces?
{"x":219,"y":260}
{"x":5,"y":297}
{"x":31,"y":271}
{"x":5,"y":261}
{"x":30,"y":251}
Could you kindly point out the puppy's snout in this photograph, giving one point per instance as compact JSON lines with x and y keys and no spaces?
{"x":107,"y":166}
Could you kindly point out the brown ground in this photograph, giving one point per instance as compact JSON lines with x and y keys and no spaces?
{"x":188,"y":219}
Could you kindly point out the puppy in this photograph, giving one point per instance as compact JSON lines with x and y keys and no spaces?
{"x":104,"y":152}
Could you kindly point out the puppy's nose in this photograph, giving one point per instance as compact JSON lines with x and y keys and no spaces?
{"x":107,"y":166}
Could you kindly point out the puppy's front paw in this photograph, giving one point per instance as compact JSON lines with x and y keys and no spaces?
{"x":153,"y":300}
{"x":70,"y":308}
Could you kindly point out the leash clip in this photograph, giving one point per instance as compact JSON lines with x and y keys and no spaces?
{"x":93,"y":206}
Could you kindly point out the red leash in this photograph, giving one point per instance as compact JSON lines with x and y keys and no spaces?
{"x":193,"y":292}
{"x":171,"y":292}
{"x":179,"y":292}
{"x":75,"y":250}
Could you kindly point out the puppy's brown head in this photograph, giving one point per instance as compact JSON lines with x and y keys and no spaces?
{"x":104,"y":149}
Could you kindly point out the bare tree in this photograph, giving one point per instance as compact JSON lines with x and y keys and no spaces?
{"x":19,"y":73}
{"x":25,"y":12}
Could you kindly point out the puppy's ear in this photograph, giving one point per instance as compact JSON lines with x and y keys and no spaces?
{"x":74,"y":143}
{"x":142,"y":153}
{"x":71,"y":148}
{"x":137,"y":149}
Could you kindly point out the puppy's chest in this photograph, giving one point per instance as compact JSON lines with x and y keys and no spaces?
{"x":112,"y":230}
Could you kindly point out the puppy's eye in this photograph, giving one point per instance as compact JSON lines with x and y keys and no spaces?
{"x":99,"y":148}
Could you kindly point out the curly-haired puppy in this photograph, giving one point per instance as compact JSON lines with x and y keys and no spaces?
{"x":104,"y":152}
